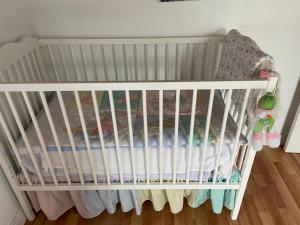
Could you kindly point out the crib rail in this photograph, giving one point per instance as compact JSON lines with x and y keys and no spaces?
{"x":132,"y":86}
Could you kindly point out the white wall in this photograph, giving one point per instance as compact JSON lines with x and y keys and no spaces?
{"x":13,"y":24}
{"x":8,"y":204}
{"x":275,"y":25}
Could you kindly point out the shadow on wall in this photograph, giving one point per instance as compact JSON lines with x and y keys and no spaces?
{"x":291,"y":113}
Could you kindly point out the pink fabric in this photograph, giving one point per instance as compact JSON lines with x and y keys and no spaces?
{"x":258,"y":136}
{"x":272,"y":135}
{"x":264,"y":74}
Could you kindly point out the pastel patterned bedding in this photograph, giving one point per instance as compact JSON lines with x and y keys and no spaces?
{"x":138,"y":122}
{"x":138,"y":135}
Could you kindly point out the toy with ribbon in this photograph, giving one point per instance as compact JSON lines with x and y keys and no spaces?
{"x":265,"y":132}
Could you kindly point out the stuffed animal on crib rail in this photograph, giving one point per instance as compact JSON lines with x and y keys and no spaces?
{"x":264,"y":131}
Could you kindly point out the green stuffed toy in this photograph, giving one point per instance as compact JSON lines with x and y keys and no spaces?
{"x":264,"y":131}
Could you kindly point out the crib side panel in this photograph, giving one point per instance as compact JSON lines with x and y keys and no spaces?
{"x":19,"y":63}
{"x":89,"y":104}
{"x":131,"y":59}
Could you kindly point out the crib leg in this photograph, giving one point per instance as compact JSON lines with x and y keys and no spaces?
{"x":11,"y":177}
{"x":246,"y":170}
{"x":24,"y":202}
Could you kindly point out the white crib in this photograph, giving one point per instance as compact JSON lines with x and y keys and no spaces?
{"x":33,"y":68}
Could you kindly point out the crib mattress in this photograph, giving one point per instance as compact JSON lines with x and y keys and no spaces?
{"x":138,"y":133}
{"x":153,"y":154}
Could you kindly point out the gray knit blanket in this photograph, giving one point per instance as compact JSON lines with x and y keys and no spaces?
{"x":242,"y":59}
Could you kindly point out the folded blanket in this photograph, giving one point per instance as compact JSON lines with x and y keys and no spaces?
{"x":242,"y":59}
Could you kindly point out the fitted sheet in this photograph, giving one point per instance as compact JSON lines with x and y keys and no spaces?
{"x":153,"y":153}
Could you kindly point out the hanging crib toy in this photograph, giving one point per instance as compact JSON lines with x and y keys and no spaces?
{"x":265,"y":130}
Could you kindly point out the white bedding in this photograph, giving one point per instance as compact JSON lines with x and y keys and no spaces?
{"x":182,"y":157}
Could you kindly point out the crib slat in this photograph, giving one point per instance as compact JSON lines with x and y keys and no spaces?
{"x":40,"y":64}
{"x":36,"y":67}
{"x":54,"y":133}
{"x":117,"y":77}
{"x":156,"y":62}
{"x":85,"y":134}
{"x":146,"y":61}
{"x":27,"y":75}
{"x":242,"y":156}
{"x":10,"y":122}
{"x":232,"y":109}
{"x":207,"y":127}
{"x":74,"y":64}
{"x":69,"y":131}
{"x":113,"y":115}
{"x":104,"y":63}
{"x":220,"y":144}
{"x":167,"y":62}
{"x":94,"y":63}
{"x":34,"y":98}
{"x":53,"y":63}
{"x":98,"y":120}
{"x":178,"y":62}
{"x":145,"y":119}
{"x":161,"y":143}
{"x":132,"y":153}
{"x":226,"y":99}
{"x":244,"y":148}
{"x":245,"y":126}
{"x":235,"y":114}
{"x":135,"y":62}
{"x":40,"y":136}
{"x":192,"y":66}
{"x":177,"y":101}
{"x":83,"y":63}
{"x":218,"y":56}
{"x":238,"y":134}
{"x":6,"y":112}
{"x":125,"y":62}
{"x":14,"y":148}
{"x":63,"y":63}
{"x":25,"y":138}
{"x":223,"y":93}
{"x":21,"y":103}
{"x":33,"y":75}
{"x":191,"y":135}
{"x":187,"y":62}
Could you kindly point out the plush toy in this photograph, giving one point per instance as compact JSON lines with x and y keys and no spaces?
{"x":264,"y":131}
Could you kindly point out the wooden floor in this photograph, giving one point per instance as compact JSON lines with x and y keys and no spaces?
{"x":272,"y":198}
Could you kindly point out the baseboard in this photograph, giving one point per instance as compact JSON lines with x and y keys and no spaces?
{"x":19,"y":218}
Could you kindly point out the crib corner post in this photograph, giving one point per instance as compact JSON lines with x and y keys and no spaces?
{"x":245,"y":174}
{"x":25,"y":205}
{"x":11,"y":177}
{"x":272,"y":84}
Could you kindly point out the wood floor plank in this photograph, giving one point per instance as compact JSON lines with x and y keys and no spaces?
{"x":40,"y":219}
{"x":28,"y":222}
{"x":294,"y":163}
